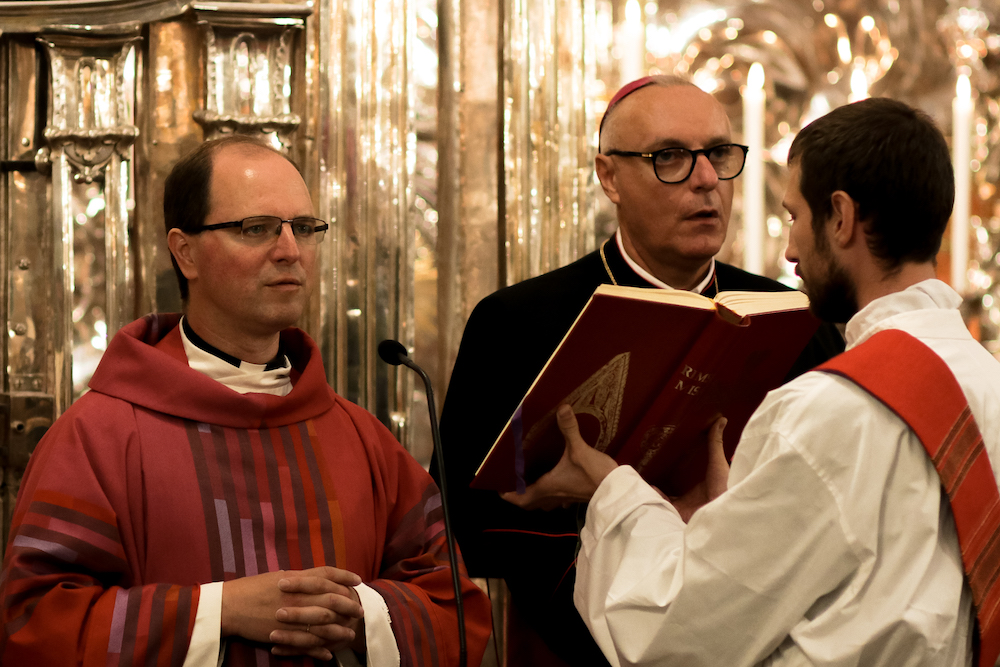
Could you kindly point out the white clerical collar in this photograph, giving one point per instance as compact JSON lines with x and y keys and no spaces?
{"x":887,"y":312}
{"x":649,"y":277}
{"x":241,"y":376}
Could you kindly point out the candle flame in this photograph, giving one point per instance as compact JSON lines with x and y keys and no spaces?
{"x":755,"y":78}
{"x":859,"y":85}
{"x":844,"y":49}
{"x":963,"y":88}
{"x":633,"y":13}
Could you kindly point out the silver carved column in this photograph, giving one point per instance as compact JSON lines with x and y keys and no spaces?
{"x":516,"y":91}
{"x":362,"y":132}
{"x":250,"y":63}
{"x":90,"y":131}
{"x":548,"y":134}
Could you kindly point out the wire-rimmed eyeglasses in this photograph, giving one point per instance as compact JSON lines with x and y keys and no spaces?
{"x":260,"y":229}
{"x":675,"y":165}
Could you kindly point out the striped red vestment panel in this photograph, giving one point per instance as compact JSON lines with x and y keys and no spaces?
{"x":264,"y":487}
{"x":916,"y":384}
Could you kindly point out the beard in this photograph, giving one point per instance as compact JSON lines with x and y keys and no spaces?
{"x":832,"y":297}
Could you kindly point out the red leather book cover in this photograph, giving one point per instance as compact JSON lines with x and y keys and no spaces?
{"x":620,"y":367}
{"x":727,"y":372}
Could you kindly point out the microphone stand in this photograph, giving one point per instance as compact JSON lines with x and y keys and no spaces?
{"x":392,"y":352}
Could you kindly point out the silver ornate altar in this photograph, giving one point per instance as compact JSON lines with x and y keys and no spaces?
{"x":449,"y":143}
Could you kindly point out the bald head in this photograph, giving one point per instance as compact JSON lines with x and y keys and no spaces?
{"x":614,"y":118}
{"x":671,"y":230}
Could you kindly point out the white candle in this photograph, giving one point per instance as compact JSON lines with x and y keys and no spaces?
{"x":753,"y":173}
{"x":961,"y":151}
{"x":632,"y":43}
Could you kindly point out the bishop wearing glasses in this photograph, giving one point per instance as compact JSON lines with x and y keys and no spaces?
{"x":667,"y":161}
{"x":211,"y":501}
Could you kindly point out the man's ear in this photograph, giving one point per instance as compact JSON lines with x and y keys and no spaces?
{"x":844,"y":225}
{"x":606,"y":173}
{"x":183,"y":252}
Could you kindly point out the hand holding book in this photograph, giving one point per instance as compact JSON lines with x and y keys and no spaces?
{"x":716,"y":476}
{"x":574,"y":479}
{"x":582,"y":468}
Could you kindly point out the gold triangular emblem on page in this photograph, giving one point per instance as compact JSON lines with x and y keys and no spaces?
{"x":599,"y":396}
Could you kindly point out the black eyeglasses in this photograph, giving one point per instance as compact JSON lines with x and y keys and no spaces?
{"x":260,"y":229}
{"x":675,"y":165}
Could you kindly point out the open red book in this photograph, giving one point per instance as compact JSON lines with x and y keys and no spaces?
{"x":647,"y":372}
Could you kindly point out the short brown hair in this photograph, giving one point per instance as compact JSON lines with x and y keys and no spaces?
{"x":894,"y":162}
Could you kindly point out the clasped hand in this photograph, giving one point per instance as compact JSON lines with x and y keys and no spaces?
{"x":582,"y":469}
{"x":312,"y":612}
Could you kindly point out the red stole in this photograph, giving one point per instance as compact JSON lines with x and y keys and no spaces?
{"x":916,"y":384}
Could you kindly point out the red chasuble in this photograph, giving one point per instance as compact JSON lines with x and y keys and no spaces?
{"x":160,"y":479}
{"x":916,"y":384}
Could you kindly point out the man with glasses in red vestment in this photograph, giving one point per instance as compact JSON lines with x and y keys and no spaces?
{"x":211,"y":500}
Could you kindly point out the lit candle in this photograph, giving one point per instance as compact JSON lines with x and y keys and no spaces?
{"x":961,"y":152}
{"x":859,"y":85}
{"x":632,"y":45}
{"x":753,"y":173}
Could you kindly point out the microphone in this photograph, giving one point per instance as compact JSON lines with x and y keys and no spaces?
{"x":393,"y":353}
